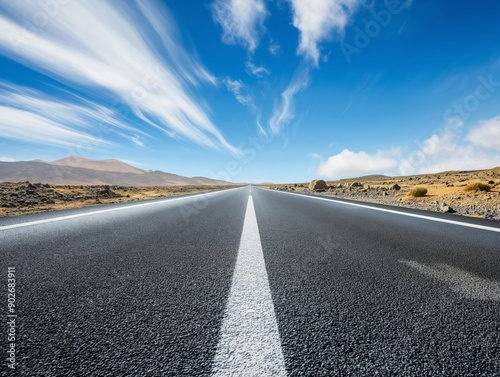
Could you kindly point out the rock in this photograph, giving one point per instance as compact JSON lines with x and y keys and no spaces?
{"x":30,"y":189}
{"x":108,"y":193}
{"x":356,"y":184}
{"x":318,"y":184}
{"x":396,"y":187}
{"x":446,"y":208}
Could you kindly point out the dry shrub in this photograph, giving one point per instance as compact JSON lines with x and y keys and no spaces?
{"x":418,"y":191}
{"x":477,"y":186}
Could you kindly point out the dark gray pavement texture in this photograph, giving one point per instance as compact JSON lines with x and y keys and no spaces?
{"x":141,"y":289}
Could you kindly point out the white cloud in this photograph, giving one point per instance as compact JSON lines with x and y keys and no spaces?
{"x":94,"y":46}
{"x":314,"y":155}
{"x":6,"y":159}
{"x":274,"y":48}
{"x":283,"y":112}
{"x":242,"y":21}
{"x":16,"y":124}
{"x":237,"y":87}
{"x":349,"y":164}
{"x":67,"y":120}
{"x":487,"y":134}
{"x":448,"y":151}
{"x":257,"y":71}
{"x":80,"y":113}
{"x":137,"y":140}
{"x":443,"y":151}
{"x":318,"y":21}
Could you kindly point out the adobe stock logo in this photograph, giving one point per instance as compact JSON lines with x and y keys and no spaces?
{"x":463,"y":108}
{"x":380,"y":19}
{"x":48,"y":9}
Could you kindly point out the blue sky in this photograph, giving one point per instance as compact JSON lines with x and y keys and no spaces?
{"x":254,"y":90}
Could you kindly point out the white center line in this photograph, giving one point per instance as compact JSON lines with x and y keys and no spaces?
{"x":249,"y":343}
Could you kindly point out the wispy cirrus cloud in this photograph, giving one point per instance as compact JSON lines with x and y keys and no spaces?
{"x":318,"y":21}
{"x":314,"y":156}
{"x":137,"y":140}
{"x":109,"y":53}
{"x":237,"y":88}
{"x":66,"y":119}
{"x":274,"y":48}
{"x":74,"y":110}
{"x":257,"y":71}
{"x":242,"y":21}
{"x":23,"y":125}
{"x":284,"y":110}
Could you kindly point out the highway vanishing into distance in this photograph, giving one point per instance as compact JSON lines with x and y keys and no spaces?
{"x":251,"y":282}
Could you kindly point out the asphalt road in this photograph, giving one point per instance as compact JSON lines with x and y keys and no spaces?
{"x":251,"y":282}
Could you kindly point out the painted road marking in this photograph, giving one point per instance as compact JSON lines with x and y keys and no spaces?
{"x":462,"y":282}
{"x":454,"y":222}
{"x":69,"y":217}
{"x":249,"y":343}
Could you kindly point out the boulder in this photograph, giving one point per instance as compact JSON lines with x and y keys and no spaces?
{"x":318,"y":184}
{"x":108,"y":193}
{"x":446,"y":208}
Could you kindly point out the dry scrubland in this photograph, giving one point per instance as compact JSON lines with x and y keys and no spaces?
{"x":468,"y":193}
{"x":24,"y":197}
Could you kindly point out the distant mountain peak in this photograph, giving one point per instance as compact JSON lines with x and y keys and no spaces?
{"x":75,"y":170}
{"x":112,"y":165}
{"x":73,"y":158}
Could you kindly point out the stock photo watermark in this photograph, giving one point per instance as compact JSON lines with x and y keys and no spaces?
{"x":380,"y":20}
{"x":250,"y":148}
{"x":11,"y":318}
{"x":121,"y":107}
{"x":463,"y":108}
{"x":48,"y":10}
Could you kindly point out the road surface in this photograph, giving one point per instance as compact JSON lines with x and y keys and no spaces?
{"x":251,"y":282}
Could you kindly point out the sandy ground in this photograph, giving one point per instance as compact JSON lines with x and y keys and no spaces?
{"x":446,"y":191}
{"x":25,"y":198}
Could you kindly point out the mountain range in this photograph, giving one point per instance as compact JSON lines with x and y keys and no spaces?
{"x":75,"y":170}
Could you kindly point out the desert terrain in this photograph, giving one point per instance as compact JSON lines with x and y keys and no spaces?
{"x":446,"y":191}
{"x":75,"y":182}
{"x":25,"y":198}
